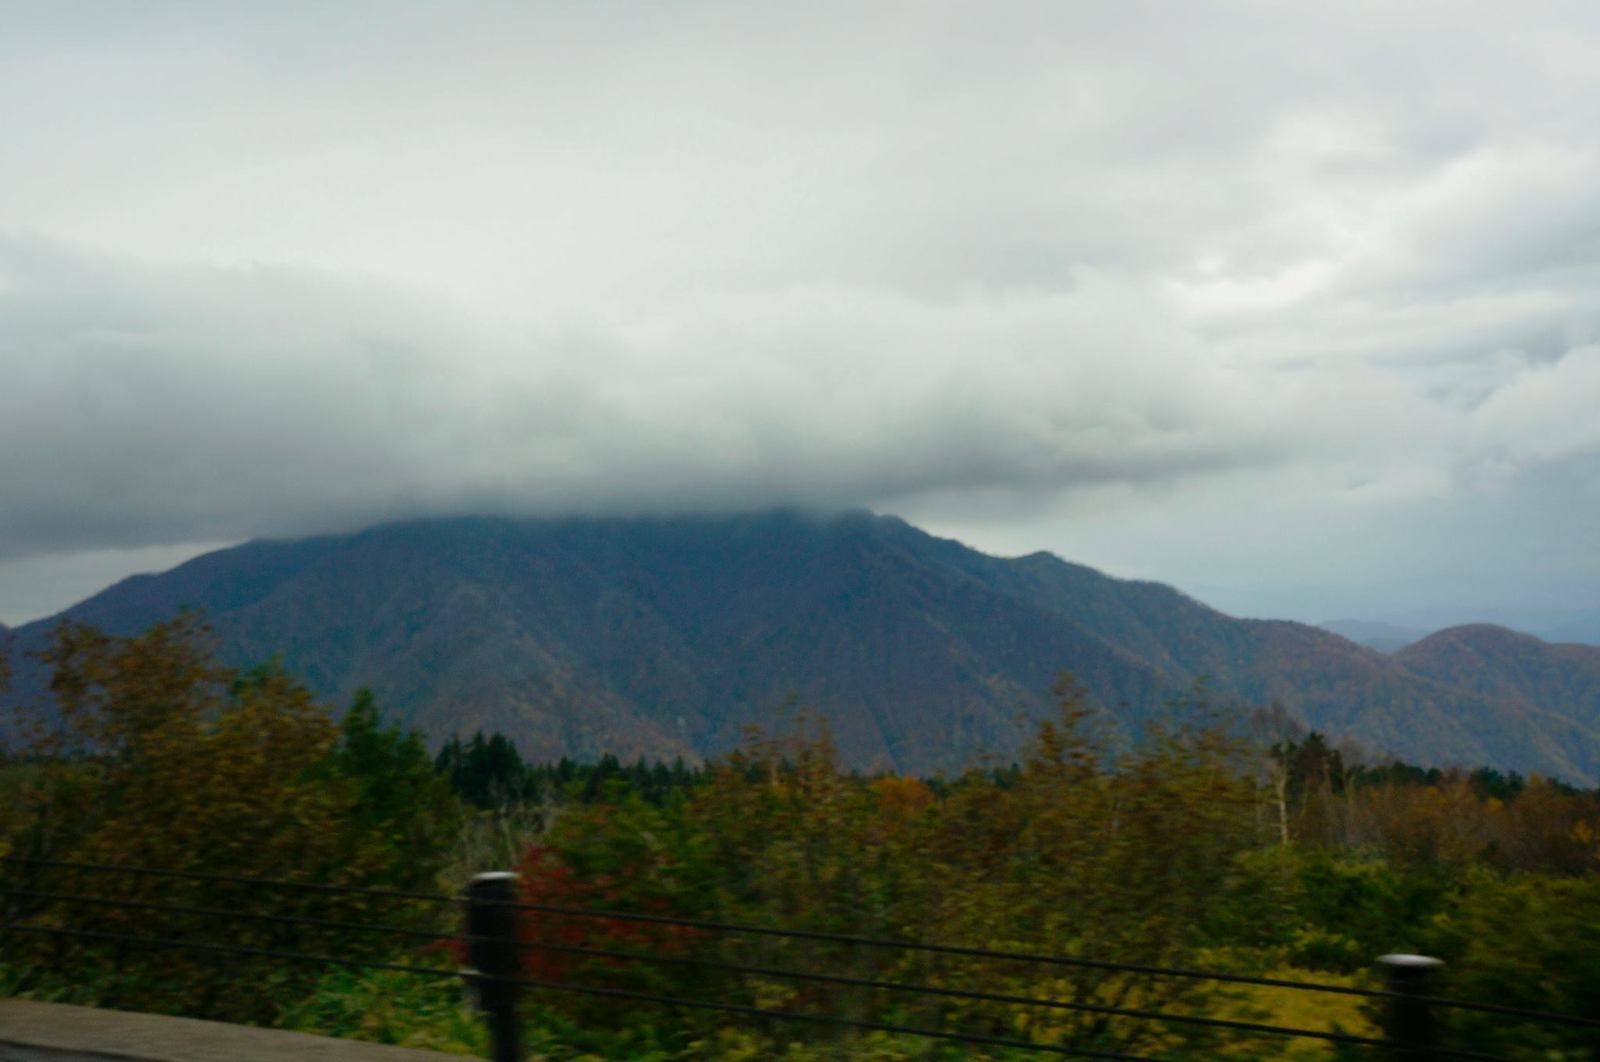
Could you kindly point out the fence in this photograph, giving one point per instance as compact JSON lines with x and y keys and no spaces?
{"x":495,"y":941}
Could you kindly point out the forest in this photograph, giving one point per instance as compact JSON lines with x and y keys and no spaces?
{"x":1223,"y":841}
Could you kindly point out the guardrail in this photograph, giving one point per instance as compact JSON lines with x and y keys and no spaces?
{"x":494,"y":938}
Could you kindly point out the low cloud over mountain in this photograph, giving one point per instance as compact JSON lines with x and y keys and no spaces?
{"x":1296,"y":308}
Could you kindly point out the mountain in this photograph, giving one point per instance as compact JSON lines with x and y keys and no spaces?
{"x":1511,"y":666}
{"x":1577,"y":625}
{"x":1384,"y":637}
{"x":666,"y":636}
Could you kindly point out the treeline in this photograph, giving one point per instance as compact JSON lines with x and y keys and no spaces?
{"x":489,"y":773}
{"x":1313,"y":764}
{"x":1411,"y":815}
{"x":1430,"y":817}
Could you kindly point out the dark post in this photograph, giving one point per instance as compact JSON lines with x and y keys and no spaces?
{"x":1410,"y":1022}
{"x":492,"y":954}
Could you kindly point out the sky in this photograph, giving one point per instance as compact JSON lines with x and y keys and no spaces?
{"x":1293,"y":306}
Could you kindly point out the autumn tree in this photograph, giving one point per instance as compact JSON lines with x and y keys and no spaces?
{"x":165,"y":759}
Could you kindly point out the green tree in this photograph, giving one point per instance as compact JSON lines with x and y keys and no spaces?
{"x":403,"y":810}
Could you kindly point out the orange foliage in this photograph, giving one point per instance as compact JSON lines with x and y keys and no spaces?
{"x":902,"y":797}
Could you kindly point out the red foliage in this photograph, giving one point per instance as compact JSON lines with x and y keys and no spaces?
{"x":548,"y":881}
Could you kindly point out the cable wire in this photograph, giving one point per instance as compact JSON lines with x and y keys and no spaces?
{"x":220,"y":912}
{"x":818,"y":936}
{"x":1513,"y":1012}
{"x":618,"y":993}
{"x":956,"y":950}
{"x":834,"y":1020}
{"x":724,"y":927}
{"x":959,"y":993}
{"x":757,"y":971}
{"x":230,"y":949}
{"x":732,"y":1008}
{"x":235,"y":879}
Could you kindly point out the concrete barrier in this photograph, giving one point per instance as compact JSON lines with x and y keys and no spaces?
{"x":54,"y":1032}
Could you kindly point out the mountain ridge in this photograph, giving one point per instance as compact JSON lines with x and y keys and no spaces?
{"x":665,"y":636}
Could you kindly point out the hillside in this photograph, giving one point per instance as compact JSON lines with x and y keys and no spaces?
{"x":1509,"y":665}
{"x":671,"y":635}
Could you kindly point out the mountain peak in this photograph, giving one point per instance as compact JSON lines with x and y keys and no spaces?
{"x":1479,"y":635}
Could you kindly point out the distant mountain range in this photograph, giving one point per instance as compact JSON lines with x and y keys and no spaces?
{"x":1384,"y":637}
{"x":1579,"y":627}
{"x":669,"y":636}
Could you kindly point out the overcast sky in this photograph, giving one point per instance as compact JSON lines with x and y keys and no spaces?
{"x":1294,"y":306}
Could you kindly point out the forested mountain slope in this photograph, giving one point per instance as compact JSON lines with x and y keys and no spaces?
{"x":1506,"y":664}
{"x":665,"y":636}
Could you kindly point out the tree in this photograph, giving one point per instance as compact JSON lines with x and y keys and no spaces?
{"x":165,"y":759}
{"x":403,"y":808}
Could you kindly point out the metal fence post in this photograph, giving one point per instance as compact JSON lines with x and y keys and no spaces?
{"x":492,"y":955}
{"x":1410,"y":1020}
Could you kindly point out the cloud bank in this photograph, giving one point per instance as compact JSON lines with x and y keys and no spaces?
{"x":1282,"y":307}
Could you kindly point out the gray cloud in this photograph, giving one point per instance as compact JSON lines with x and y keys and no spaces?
{"x":162,"y":405}
{"x":1195,"y":292}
